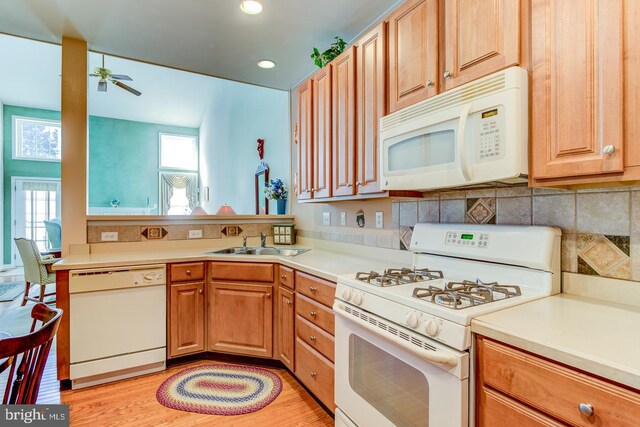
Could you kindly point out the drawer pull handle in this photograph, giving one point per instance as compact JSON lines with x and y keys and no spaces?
{"x":586,"y":409}
{"x":312,"y":338}
{"x":313,"y":374}
{"x":313,"y":289}
{"x":313,"y":313}
{"x":288,"y":302}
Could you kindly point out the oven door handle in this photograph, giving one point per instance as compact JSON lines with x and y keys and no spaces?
{"x":431,"y":356}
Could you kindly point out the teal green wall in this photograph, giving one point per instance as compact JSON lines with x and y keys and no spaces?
{"x":123,"y":162}
{"x":124,"y":159}
{"x":28,"y":168}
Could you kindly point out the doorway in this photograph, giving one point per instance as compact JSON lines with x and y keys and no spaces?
{"x":33,"y":201}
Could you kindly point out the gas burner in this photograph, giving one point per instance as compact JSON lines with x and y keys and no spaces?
{"x":399,"y":276}
{"x":459,"y":295}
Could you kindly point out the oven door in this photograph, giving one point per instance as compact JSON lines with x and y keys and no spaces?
{"x":381,"y":381}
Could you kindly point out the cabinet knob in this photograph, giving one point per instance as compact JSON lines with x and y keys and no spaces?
{"x":312,"y":338}
{"x":313,"y":313}
{"x":188,"y":272}
{"x":429,"y":83}
{"x":447,"y":74}
{"x":313,"y":374}
{"x":586,"y":409}
{"x":351,"y":185}
{"x":608,"y":149}
{"x":283,"y":276}
{"x":268,"y":295}
{"x":313,"y":289}
{"x":289,"y":302}
{"x":200,"y":291}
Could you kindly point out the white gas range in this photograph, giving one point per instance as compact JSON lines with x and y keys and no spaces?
{"x":403,"y":335}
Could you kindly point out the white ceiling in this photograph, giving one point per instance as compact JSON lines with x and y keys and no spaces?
{"x":172,"y":97}
{"x":208,"y":36}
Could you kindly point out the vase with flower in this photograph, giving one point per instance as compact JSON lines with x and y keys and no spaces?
{"x":277,"y":190}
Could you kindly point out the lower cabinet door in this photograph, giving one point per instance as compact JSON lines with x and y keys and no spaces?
{"x":240,"y":318}
{"x":316,"y":372}
{"x":186,"y":318}
{"x":286,"y":327}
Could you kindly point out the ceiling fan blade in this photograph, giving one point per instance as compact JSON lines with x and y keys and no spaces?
{"x":121,"y":77}
{"x":125,"y":87}
{"x":102,"y":86}
{"x":94,"y":75}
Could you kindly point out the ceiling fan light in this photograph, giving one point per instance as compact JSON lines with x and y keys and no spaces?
{"x":251,"y":7}
{"x":266,"y":63}
{"x":102,"y":86}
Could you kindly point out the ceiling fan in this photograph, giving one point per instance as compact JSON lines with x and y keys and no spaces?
{"x":106,"y":75}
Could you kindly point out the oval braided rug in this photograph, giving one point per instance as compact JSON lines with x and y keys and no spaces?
{"x":220,"y":389}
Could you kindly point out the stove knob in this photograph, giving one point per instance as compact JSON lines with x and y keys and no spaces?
{"x":412,"y":320}
{"x":432,"y":328}
{"x":346,"y":295}
{"x":357,"y":299}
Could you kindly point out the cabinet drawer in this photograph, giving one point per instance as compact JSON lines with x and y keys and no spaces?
{"x":315,"y":337}
{"x":287,"y":277}
{"x":319,"y":290}
{"x":245,"y":271}
{"x":554,"y":389}
{"x":315,"y":372}
{"x":315,"y":313}
{"x":497,"y":409}
{"x":188,"y":271}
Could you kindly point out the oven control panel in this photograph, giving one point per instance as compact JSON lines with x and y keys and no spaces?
{"x":472,"y":240}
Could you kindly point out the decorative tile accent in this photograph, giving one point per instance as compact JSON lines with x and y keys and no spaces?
{"x":231,"y":230}
{"x":604,"y":213}
{"x":405,"y":237}
{"x":513,"y":210}
{"x":154,"y":233}
{"x":481,"y":211}
{"x":602,"y":255}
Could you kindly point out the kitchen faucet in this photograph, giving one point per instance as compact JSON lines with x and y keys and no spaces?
{"x":244,"y":243}
{"x":263,"y":239}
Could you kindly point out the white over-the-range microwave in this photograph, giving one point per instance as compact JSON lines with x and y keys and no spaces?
{"x":474,"y":134}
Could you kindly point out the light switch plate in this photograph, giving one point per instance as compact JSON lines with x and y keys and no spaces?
{"x":195,"y":234}
{"x":109,"y":236}
{"x":326,"y":218}
{"x":379,"y":220}
{"x":343,"y":218}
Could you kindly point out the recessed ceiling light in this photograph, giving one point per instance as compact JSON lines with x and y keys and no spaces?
{"x":266,"y":63}
{"x":251,"y":7}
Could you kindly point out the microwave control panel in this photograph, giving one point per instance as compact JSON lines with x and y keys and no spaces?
{"x":472,"y":240}
{"x":490,"y":130}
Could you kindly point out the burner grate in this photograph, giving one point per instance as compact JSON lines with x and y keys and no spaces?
{"x":399,"y":276}
{"x":460,"y":295}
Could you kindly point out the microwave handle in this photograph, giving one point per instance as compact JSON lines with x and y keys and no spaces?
{"x":462,"y":149}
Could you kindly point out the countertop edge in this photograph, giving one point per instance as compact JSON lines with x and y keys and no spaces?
{"x":603,"y":369}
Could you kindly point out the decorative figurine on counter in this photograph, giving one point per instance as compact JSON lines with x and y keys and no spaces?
{"x":261,"y":148}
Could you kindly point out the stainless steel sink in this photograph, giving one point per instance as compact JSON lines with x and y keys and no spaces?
{"x":239,"y":250}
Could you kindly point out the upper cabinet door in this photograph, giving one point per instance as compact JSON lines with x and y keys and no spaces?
{"x":322,"y":133}
{"x":344,"y":128}
{"x":413,"y":53}
{"x":305,"y":136}
{"x":371,"y":105}
{"x":577,"y":105}
{"x":481,"y":37}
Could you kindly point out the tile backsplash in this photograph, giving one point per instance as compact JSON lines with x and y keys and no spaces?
{"x":600,"y":227}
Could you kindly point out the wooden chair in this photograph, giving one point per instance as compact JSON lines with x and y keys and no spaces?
{"x":35,"y":269}
{"x":26,"y":356}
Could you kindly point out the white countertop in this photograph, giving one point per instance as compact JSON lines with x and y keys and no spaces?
{"x":592,"y":335}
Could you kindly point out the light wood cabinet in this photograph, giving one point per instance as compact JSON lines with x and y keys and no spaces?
{"x":480,"y":38}
{"x":530,"y":390}
{"x":413,"y":53}
{"x":344,"y":128}
{"x":305,"y":139}
{"x":322,"y":122}
{"x":316,"y":372}
{"x":578,"y":55}
{"x":371,"y":106}
{"x":286,"y":327}
{"x":240,"y":318}
{"x":186,"y":318}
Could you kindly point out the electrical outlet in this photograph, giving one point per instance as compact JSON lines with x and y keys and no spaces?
{"x":343,"y":218}
{"x":326,"y":218}
{"x":379,"y":220}
{"x":109,"y":236}
{"x":195,"y":234}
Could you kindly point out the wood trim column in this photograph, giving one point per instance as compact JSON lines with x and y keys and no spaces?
{"x":74,"y":143}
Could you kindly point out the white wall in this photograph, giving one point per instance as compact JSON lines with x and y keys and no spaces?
{"x":237,"y":116}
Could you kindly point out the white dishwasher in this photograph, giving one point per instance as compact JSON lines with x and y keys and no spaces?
{"x":117,"y":323}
